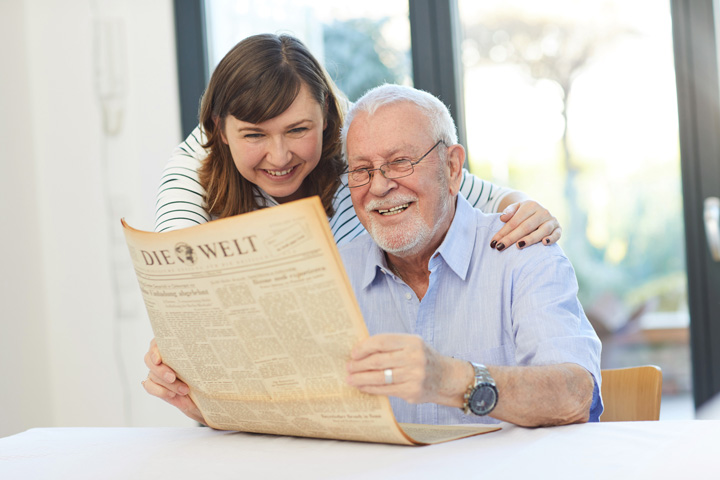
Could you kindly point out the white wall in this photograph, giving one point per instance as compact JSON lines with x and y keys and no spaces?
{"x":73,"y":329}
{"x":23,"y":356}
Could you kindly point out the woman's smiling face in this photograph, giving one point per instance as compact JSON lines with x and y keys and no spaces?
{"x":278,"y":154}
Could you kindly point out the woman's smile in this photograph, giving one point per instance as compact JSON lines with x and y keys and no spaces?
{"x":278,"y":154}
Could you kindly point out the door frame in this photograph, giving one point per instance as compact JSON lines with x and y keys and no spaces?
{"x":698,"y":93}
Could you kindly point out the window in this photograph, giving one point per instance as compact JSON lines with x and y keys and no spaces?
{"x":361,"y":44}
{"x":576,"y":105}
{"x":604,"y":141}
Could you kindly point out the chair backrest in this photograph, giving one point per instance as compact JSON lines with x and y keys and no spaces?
{"x":631,"y":393}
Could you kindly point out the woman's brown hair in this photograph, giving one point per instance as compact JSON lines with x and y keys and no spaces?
{"x":256,"y":81}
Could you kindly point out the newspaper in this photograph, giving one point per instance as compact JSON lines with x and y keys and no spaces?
{"x":256,"y":314}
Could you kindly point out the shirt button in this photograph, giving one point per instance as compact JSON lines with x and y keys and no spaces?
{"x":408,"y":296}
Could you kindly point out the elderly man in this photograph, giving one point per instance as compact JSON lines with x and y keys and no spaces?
{"x":459,"y":333}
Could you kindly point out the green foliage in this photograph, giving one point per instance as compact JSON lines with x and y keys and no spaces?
{"x":622,"y":223}
{"x":643,"y":214}
{"x":358,"y":57}
{"x":639,"y":210}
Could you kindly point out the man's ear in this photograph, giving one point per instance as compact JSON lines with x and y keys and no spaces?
{"x":455,"y":161}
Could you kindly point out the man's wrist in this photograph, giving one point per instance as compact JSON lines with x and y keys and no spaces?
{"x":460,"y":375}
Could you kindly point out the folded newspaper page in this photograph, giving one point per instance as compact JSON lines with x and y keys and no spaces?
{"x":256,"y":314}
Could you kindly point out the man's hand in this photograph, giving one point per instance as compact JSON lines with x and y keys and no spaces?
{"x":162,"y":382}
{"x":526,"y":223}
{"x":419,"y":373}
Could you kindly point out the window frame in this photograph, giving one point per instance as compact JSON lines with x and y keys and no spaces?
{"x":435,"y":39}
{"x":191,"y":48}
{"x":698,"y":92}
{"x":432,"y":23}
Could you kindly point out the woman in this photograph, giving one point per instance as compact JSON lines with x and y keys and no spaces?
{"x":269,"y":134}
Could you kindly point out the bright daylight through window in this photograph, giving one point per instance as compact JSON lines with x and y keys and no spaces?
{"x":575,"y":104}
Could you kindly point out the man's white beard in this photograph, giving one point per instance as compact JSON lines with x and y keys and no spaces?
{"x":401,"y":240}
{"x":411,"y":236}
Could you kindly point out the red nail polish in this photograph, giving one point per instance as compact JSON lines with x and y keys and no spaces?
{"x":500,"y":246}
{"x":521,"y":244}
{"x":493,"y":243}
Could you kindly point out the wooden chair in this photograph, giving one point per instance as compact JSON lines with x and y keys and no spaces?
{"x":631,"y":393}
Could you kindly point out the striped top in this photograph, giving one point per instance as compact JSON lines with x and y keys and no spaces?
{"x":181,"y":198}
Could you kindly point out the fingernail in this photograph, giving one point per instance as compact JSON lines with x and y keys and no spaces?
{"x":169,"y":377}
{"x":155,"y":358}
{"x":493,"y":243}
{"x":183,"y":390}
{"x":521,"y":244}
{"x":500,"y":246}
{"x":547,"y":241}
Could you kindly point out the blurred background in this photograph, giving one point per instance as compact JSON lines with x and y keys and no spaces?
{"x":574,"y":103}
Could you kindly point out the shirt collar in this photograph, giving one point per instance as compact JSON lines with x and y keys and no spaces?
{"x":456,"y":249}
{"x":375,"y":264}
{"x":263,"y":199}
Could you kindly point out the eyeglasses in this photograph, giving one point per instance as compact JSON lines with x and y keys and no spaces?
{"x":402,"y":167}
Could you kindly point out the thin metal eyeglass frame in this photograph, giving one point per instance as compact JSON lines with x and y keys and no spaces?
{"x":384,"y":165}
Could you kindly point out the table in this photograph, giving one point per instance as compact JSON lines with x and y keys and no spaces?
{"x":652,"y":450}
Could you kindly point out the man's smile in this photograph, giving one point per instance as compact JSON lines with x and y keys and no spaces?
{"x":389,"y":207}
{"x":393,"y":210}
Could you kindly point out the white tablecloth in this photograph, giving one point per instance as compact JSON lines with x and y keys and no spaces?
{"x":637,"y":450}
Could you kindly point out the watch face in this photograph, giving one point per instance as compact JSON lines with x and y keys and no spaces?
{"x":483,"y":400}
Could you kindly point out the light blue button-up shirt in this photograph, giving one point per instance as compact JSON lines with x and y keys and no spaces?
{"x":515,"y":307}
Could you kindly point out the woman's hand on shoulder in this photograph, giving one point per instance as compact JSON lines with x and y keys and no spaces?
{"x":526,"y":223}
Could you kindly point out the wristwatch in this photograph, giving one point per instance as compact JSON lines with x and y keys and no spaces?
{"x":482,"y":395}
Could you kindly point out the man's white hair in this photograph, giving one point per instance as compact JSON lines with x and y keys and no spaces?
{"x":442,"y":126}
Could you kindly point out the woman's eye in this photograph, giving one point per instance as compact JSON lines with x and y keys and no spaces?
{"x":253,"y":135}
{"x":299,"y":130}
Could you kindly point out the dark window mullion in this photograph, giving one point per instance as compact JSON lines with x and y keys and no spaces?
{"x":191,"y":50}
{"x":435,"y":36}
